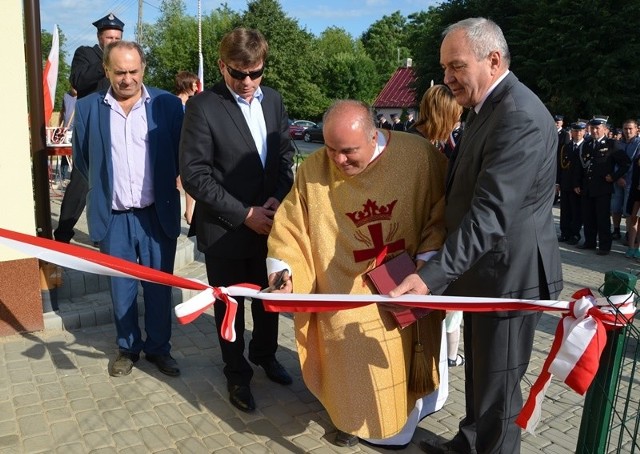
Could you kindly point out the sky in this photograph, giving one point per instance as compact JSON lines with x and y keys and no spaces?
{"x":74,"y":17}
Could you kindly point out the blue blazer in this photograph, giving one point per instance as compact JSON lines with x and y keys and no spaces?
{"x":92,"y":158}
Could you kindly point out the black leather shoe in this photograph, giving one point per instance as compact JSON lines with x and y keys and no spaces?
{"x":240,"y":397}
{"x":276,"y":372}
{"x":601,"y":252}
{"x":616,"y":235}
{"x":562,"y":238}
{"x":573,"y":240}
{"x":438,"y":447}
{"x":123,"y":364}
{"x":166,"y":364}
{"x":586,"y":246}
{"x":344,"y":439}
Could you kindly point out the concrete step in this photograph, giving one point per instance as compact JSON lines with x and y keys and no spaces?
{"x":83,"y":300}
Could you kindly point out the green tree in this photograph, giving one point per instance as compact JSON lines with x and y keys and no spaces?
{"x":291,"y":64}
{"x":567,"y":51}
{"x":385,"y":41}
{"x":346,"y":71}
{"x":171,"y":44}
{"x":62,"y":85}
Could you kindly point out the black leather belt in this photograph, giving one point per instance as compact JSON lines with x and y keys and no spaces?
{"x":131,"y":210}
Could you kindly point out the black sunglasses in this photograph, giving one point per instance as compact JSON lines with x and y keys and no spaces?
{"x":239,"y":75}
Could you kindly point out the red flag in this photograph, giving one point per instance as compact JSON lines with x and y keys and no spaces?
{"x":50,"y":76}
{"x":200,"y":74}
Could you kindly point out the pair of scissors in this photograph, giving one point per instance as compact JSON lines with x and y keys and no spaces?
{"x":281,"y":277}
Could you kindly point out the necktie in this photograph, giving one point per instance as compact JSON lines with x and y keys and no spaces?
{"x":471,"y":116}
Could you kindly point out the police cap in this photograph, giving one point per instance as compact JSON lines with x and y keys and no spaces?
{"x":578,"y":125}
{"x":109,"y":22}
{"x":598,"y":120}
{"x":558,"y":117}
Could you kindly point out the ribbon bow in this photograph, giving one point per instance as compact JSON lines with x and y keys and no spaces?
{"x":577,"y":346}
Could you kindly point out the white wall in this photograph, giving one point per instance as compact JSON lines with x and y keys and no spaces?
{"x":16,"y":192}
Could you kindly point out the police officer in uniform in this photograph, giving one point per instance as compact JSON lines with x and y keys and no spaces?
{"x":87,"y":75}
{"x":563,"y":139}
{"x":596,"y":174}
{"x":568,"y":162}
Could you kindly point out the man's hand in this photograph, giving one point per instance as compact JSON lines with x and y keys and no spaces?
{"x":260,"y":220}
{"x":576,"y":190}
{"x":621,"y":182}
{"x":280,"y":282}
{"x":271,"y":204}
{"x":412,"y":284}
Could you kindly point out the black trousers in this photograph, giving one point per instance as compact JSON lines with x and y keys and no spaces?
{"x":570,"y":214}
{"x":497,"y":352}
{"x":596,"y":216}
{"x":264,"y":339}
{"x":73,"y":203}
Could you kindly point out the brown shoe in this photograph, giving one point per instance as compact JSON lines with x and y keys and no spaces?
{"x":123,"y":364}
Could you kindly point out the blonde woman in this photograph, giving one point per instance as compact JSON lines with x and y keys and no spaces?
{"x":439,"y":118}
{"x":439,"y":123}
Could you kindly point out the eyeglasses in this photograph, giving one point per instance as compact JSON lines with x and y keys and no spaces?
{"x":239,"y":75}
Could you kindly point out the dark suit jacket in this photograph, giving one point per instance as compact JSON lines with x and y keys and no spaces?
{"x":87,"y":73}
{"x":221,"y":169}
{"x":501,"y":239}
{"x":568,"y":165}
{"x":92,"y":158}
{"x":601,"y":157}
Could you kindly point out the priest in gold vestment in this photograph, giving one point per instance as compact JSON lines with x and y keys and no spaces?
{"x":365,"y":192}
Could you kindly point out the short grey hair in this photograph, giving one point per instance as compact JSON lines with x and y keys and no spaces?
{"x":484,"y":35}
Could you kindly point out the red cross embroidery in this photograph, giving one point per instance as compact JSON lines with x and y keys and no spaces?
{"x":378,"y":245}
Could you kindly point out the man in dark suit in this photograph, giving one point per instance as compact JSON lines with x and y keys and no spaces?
{"x":563,"y":139}
{"x":235,"y":161}
{"x":396,"y":124}
{"x":604,"y":161}
{"x":569,"y":165}
{"x":125,"y":146}
{"x":501,"y":236}
{"x":87,"y":76}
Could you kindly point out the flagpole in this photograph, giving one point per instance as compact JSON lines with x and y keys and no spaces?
{"x":36,"y":118}
{"x":200,"y":59}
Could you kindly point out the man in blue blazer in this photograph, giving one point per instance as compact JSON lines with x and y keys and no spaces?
{"x":235,"y":161}
{"x":125,"y":145}
{"x":501,"y":239}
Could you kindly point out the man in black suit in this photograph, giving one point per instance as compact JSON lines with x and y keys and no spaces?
{"x":563,"y":139}
{"x":569,"y":165}
{"x":604,"y":161}
{"x":236,"y":162}
{"x":87,"y":76}
{"x":501,"y":238}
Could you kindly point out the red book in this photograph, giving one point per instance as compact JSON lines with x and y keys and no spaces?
{"x":388,"y":276}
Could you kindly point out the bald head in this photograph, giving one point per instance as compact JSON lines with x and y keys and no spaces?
{"x":350,"y":135}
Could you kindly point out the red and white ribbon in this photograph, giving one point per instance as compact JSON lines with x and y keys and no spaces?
{"x":574,"y":357}
{"x":577,"y":346}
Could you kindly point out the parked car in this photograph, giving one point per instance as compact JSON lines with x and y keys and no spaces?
{"x":313,"y":134}
{"x":297,"y":128}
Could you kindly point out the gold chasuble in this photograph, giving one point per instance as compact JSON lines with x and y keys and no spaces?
{"x":330,"y":228}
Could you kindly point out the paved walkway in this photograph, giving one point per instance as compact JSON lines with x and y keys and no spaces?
{"x":56,"y":394}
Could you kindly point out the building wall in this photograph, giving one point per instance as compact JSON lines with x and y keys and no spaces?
{"x":20,"y":301}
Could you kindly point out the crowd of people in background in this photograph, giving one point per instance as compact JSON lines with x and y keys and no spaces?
{"x":597,"y":183}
